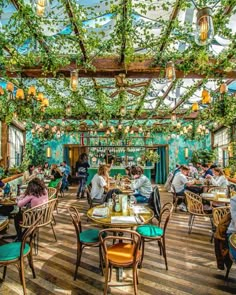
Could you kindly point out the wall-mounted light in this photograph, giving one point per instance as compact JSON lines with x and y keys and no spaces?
{"x":204,"y":26}
{"x":74,"y":83}
{"x":70,"y":153}
{"x":48,"y":152}
{"x":186,"y":152}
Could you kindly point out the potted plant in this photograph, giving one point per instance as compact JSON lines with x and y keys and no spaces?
{"x":150,"y":157}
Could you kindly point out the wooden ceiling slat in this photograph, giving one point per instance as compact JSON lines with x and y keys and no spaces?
{"x":124,"y":20}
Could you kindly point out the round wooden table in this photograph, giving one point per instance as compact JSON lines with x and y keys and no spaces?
{"x":214,"y":197}
{"x":144,"y":215}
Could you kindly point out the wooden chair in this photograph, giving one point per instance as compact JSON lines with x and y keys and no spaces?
{"x":151,"y":232}
{"x":218,"y":213}
{"x":176,"y":197}
{"x":15,"y":252}
{"x":119,"y":250}
{"x":195,"y":208}
{"x":86,"y":238}
{"x":92,"y":202}
{"x":46,"y":212}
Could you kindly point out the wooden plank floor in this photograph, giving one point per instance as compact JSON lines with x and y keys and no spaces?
{"x":191,"y":260}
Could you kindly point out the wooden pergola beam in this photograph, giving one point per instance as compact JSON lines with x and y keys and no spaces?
{"x":108,"y":67}
{"x":41,"y":40}
{"x":123,"y":39}
{"x":170,"y":87}
{"x":71,"y":15}
{"x":170,"y":24}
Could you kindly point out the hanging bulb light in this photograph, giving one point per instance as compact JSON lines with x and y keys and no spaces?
{"x":195,"y":107}
{"x":131,"y":131}
{"x":204,"y":26}
{"x":108,"y":132}
{"x":68,"y":110}
{"x":32,"y":91}
{"x":148,"y":134}
{"x":185,"y":130}
{"x":173,"y":117}
{"x":112,"y":129}
{"x":45,"y":102}
{"x":206,"y":97}
{"x":170,"y":71}
{"x":1,"y":91}
{"x":178,"y":125}
{"x":122,"y":111}
{"x":41,"y":7}
{"x":40,"y":96}
{"x":119,"y":127}
{"x":100,"y":126}
{"x":190,"y":127}
{"x":223,"y":88}
{"x":20,"y":94}
{"x":74,"y":83}
{"x":10,"y":87}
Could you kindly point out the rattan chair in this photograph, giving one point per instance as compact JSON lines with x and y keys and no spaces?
{"x":120,"y":248}
{"x":52,"y":193}
{"x":86,"y":238}
{"x":15,"y":252}
{"x":46,"y":212}
{"x":176,"y":197}
{"x":151,"y":232}
{"x":195,"y":208}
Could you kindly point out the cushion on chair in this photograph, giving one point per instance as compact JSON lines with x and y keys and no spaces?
{"x":149,"y":230}
{"x":11,"y":251}
{"x":89,"y":236}
{"x":121,"y":253}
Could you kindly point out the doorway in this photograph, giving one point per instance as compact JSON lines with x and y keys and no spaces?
{"x":72,"y":153}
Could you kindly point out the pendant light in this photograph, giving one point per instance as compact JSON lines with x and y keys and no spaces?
{"x":204,"y":26}
{"x":206,"y":97}
{"x":32,"y":91}
{"x":1,"y":91}
{"x":195,"y":107}
{"x":74,"y":84}
{"x":170,"y":71}
{"x":41,"y":7}
{"x":20,"y":94}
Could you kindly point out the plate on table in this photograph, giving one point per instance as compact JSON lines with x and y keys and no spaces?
{"x":208,"y":195}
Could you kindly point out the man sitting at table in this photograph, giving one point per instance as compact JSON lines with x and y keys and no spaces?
{"x":100,"y":183}
{"x":206,"y":170}
{"x":141,"y":184}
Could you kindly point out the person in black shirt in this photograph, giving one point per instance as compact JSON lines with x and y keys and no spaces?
{"x":109,"y":159}
{"x":82,"y":166}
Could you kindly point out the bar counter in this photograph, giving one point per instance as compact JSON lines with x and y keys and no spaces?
{"x":117,"y":170}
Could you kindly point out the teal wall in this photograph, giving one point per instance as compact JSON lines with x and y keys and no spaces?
{"x":175,"y":143}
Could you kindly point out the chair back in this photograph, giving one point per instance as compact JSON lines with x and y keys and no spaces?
{"x":109,"y":237}
{"x":165,"y":215}
{"x":29,"y":234}
{"x":75,"y":217}
{"x":89,"y":198}
{"x":44,"y":210}
{"x":219,"y":213}
{"x":51,"y":192}
{"x":194,"y":203}
{"x":173,"y":190}
{"x":154,"y":202}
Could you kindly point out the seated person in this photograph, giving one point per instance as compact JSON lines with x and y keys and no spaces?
{"x":39,"y":173}
{"x":46,"y":169}
{"x":128,"y":175}
{"x":35,"y":194}
{"x":206,"y":170}
{"x":29,"y":174}
{"x":56,"y":176}
{"x":100,"y":184}
{"x":141,"y":185}
{"x":5,"y":210}
{"x":219,"y":178}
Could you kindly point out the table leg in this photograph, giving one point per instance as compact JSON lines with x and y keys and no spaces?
{"x":119,"y":274}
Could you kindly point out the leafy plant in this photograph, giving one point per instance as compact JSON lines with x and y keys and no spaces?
{"x":151,"y":156}
{"x":203,"y":156}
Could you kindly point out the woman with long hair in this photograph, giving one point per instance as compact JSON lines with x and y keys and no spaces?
{"x":56,"y":176}
{"x":100,"y":183}
{"x":34,"y":195}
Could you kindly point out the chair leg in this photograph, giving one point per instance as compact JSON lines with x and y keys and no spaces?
{"x":36,"y":241}
{"x":190,"y":223}
{"x":101,"y":260}
{"x":110,"y":272}
{"x":31,"y":264}
{"x":142,"y":252}
{"x":79,"y":254}
{"x":106,"y":279}
{"x":159,"y":244}
{"x":53,"y":232}
{"x":4,"y":272}
{"x":163,"y":245}
{"x":22,"y":275}
{"x":135,"y":275}
{"x":54,"y":219}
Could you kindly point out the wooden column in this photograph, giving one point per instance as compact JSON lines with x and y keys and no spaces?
{"x":4,"y":139}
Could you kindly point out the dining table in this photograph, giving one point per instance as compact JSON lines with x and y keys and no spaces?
{"x":218,"y":197}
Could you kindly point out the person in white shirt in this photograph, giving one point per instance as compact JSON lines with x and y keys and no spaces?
{"x":100,"y":183}
{"x":180,"y":180}
{"x":219,"y":178}
{"x":142,"y":185}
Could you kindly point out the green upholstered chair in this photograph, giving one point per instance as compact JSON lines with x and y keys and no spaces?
{"x":151,"y":232}
{"x":15,"y":252}
{"x":86,"y":238}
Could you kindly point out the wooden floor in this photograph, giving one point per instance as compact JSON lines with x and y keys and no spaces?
{"x":191,"y":260}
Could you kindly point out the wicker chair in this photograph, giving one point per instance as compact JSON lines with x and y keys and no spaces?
{"x":195,"y":208}
{"x":52,"y":193}
{"x":15,"y":252}
{"x":46,"y":212}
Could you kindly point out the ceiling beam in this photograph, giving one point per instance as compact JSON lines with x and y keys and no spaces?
{"x":108,"y":67}
{"x":170,"y":87}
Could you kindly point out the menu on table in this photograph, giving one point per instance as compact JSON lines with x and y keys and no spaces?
{"x":100,"y":212}
{"x":123,"y":219}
